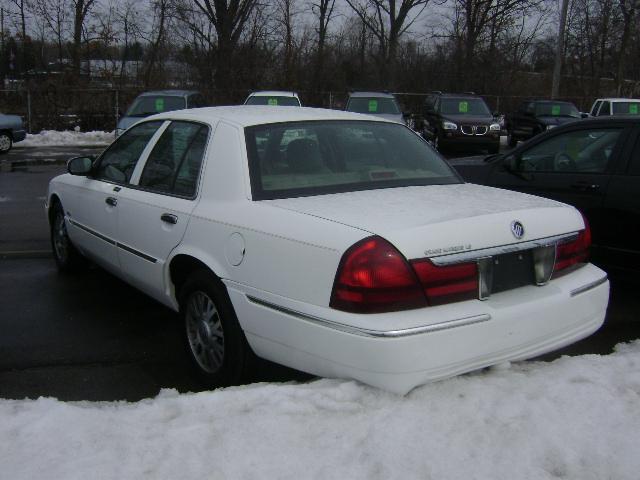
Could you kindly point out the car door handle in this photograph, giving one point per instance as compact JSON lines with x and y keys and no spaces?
{"x":168,"y":218}
{"x":585,"y":186}
{"x":111,"y":201}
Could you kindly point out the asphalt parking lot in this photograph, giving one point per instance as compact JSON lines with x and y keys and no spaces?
{"x":89,"y":336}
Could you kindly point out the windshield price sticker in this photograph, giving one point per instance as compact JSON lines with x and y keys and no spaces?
{"x":555,"y":110}
{"x":159,"y":104}
{"x":633,"y":108}
{"x":273,"y":102}
{"x":373,"y":105}
{"x":463,"y":107}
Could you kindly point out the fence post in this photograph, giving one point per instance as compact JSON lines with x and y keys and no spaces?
{"x":29,"y":112}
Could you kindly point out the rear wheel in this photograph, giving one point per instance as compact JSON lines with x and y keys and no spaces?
{"x":6,"y":142}
{"x":65,"y":254}
{"x":215,"y":341}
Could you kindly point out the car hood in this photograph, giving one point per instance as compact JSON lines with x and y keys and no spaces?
{"x":550,"y":120}
{"x":470,"y":119}
{"x":126,"y":122}
{"x":441,"y":219}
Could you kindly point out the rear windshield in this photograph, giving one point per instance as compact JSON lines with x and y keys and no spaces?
{"x":150,"y":105}
{"x":463,"y":106}
{"x":275,"y":100}
{"x":556,"y":110}
{"x":313,"y":158}
{"x":373,"y":105}
{"x":626,"y":108}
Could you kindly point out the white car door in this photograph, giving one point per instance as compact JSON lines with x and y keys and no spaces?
{"x":94,"y":209}
{"x":154,"y":211}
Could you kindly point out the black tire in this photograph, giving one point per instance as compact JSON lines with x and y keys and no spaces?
{"x":67,"y":257}
{"x":512,"y":140}
{"x":214,"y":340}
{"x":6,"y":142}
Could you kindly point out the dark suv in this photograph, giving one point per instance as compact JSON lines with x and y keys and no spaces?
{"x":461,"y":121}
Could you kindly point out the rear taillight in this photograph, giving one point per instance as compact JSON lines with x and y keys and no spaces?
{"x":447,"y":283}
{"x":374,"y":277}
{"x":573,"y":252}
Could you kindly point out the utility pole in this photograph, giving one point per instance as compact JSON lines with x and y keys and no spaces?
{"x":557,"y":67}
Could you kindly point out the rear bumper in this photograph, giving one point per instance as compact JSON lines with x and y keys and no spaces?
{"x":402,"y":350}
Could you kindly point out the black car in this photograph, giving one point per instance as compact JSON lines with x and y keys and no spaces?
{"x":593,"y":165}
{"x":536,"y":116}
{"x":460,"y":121}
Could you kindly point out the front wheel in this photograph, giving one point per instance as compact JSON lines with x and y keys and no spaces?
{"x":65,"y":254}
{"x":215,"y":341}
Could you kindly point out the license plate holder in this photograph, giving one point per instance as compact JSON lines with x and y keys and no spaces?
{"x":512,"y":270}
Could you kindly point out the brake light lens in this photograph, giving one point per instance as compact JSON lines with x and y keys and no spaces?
{"x":447,"y":283}
{"x":573,"y":252}
{"x":374,"y":277}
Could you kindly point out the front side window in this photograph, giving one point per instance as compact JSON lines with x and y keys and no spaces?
{"x":174,"y":163}
{"x":373,"y":105}
{"x":118,"y":162}
{"x":582,"y":151}
{"x":604,"y":109}
{"x":313,"y":158}
{"x":463,"y":106}
{"x":594,"y":110}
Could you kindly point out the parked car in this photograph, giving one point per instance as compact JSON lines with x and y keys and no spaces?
{"x":536,"y":116}
{"x":615,"y":106}
{"x":327,"y":241}
{"x":594,"y":165}
{"x":460,"y":121}
{"x":274,"y":98}
{"x":150,"y":103}
{"x":380,"y":104}
{"x":11,"y":131}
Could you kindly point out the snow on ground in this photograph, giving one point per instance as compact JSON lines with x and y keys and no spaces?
{"x":67,"y":138}
{"x":575,"y":418}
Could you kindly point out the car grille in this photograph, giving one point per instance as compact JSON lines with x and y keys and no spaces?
{"x":474,"y":129}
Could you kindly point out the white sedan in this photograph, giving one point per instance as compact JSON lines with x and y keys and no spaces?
{"x":335,"y":243}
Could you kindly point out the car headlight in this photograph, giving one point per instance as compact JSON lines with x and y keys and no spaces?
{"x":449,"y":125}
{"x":549,"y":127}
{"x":494,"y":127}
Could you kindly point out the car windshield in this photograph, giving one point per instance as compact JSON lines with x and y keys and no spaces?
{"x":463,"y":106}
{"x":373,"y":105}
{"x":275,"y":100}
{"x":313,"y":158}
{"x":549,"y":109}
{"x":626,"y":108}
{"x":152,"y":104}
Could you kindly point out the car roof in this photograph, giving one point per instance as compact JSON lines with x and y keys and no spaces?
{"x":249,"y":115}
{"x":618,"y":99}
{"x":371,"y":94}
{"x":273,"y":93}
{"x":169,"y":93}
{"x":457,"y":95}
{"x":546,"y":100}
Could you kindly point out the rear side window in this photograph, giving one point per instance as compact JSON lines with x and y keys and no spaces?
{"x":174,"y":163}
{"x":120,"y":159}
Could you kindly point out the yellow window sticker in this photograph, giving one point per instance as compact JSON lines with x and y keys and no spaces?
{"x":373,"y":105}
{"x":159,"y":104}
{"x":273,"y":102}
{"x":463,"y":107}
{"x":555,"y":110}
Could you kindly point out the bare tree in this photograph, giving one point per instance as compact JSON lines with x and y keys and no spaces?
{"x":323,"y":10}
{"x":388,"y":20}
{"x":81,"y":9}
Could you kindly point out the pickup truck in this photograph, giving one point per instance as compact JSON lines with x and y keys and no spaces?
{"x":11,"y":130}
{"x":536,"y":116}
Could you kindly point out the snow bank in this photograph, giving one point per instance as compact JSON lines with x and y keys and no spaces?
{"x":67,"y":138}
{"x":575,"y":418}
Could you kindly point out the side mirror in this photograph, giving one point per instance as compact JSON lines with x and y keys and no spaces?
{"x":510,"y":163}
{"x":80,"y":165}
{"x":584,"y":115}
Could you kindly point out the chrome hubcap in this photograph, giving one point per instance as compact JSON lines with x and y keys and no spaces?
{"x":204,"y":332}
{"x":60,"y":238}
{"x":5,"y":143}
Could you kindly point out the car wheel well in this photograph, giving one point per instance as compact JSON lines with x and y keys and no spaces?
{"x":182,"y":266}
{"x":52,"y":203}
